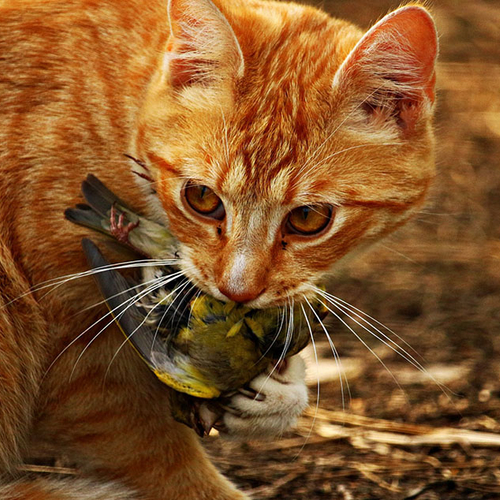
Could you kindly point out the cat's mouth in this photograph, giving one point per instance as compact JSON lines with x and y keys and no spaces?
{"x":268,"y":298}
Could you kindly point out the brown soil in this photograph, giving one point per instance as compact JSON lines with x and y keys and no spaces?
{"x":436,"y":284}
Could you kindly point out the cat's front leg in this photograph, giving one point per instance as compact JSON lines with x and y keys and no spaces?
{"x":271,"y":404}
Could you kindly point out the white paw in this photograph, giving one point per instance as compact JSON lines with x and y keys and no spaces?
{"x":271,"y":404}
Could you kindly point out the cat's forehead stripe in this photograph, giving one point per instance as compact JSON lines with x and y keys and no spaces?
{"x":240,"y":180}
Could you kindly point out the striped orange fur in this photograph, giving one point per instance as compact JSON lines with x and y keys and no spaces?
{"x":273,"y":106}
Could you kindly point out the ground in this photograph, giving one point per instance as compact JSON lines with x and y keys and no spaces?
{"x":436,"y":284}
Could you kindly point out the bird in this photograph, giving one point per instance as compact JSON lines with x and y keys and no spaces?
{"x":198,"y":345}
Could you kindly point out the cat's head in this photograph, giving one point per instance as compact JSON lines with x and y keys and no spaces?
{"x":281,"y":139}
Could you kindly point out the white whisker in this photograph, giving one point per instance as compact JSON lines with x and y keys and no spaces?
{"x":362,"y":316}
{"x":336,"y":356}
{"x":317,"y":378}
{"x":387,"y":341}
{"x":62,"y":280}
{"x":288,"y":339}
{"x":109,"y":313}
{"x":131,"y":302}
{"x":180,"y":287}
{"x":276,"y":337}
{"x":183,"y":284}
{"x":379,"y":359}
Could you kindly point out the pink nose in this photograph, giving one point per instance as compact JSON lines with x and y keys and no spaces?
{"x":241,"y":296}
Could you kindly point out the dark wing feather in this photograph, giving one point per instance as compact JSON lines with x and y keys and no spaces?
{"x":97,"y":214}
{"x":99,"y":197}
{"x":116,"y":291}
{"x":88,"y":218}
{"x":170,"y":366}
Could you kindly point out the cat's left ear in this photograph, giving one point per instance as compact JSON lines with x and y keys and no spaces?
{"x":202,"y":48}
{"x":392,"y":68}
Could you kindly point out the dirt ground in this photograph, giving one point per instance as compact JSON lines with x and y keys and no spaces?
{"x":402,"y":435}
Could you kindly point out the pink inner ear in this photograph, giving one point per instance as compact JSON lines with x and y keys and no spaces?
{"x":202,"y":48}
{"x":185,"y":70}
{"x":407,"y":31}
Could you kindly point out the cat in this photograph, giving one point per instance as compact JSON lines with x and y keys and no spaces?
{"x":275,"y":140}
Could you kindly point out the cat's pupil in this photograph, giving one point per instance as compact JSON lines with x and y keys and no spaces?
{"x":305,"y":212}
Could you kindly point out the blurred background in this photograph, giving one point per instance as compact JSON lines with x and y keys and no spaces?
{"x":436,"y":284}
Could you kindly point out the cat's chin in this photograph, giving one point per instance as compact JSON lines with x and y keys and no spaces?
{"x":280,"y":398}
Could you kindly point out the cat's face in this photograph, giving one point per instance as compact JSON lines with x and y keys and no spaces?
{"x":275,"y":157}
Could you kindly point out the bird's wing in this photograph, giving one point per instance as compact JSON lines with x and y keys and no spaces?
{"x":104,"y":207}
{"x":96,"y":215}
{"x":170,"y":366}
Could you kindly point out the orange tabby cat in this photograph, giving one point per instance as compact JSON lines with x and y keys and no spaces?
{"x":279,"y":139}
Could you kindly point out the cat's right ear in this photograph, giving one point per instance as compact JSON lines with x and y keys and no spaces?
{"x":202,"y":48}
{"x":391,"y":70}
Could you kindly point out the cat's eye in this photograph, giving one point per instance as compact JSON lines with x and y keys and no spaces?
{"x":309,"y":219}
{"x":204,"y":201}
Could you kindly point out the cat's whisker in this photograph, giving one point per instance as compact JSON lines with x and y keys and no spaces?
{"x":163,"y":299}
{"x":109,"y":313}
{"x":288,"y":339}
{"x":363,"y":317}
{"x":62,"y":280}
{"x":401,"y":254}
{"x":278,"y":332}
{"x":176,"y":312}
{"x":288,"y":336}
{"x":176,"y":290}
{"x":384,"y":339}
{"x":315,"y":351}
{"x":336,"y":357}
{"x":84,"y":332}
{"x":198,"y":293}
{"x":157,"y":331}
{"x":160,"y":322}
{"x":131,"y":302}
{"x":356,"y":334}
{"x":395,"y":347}
{"x":126,"y":290}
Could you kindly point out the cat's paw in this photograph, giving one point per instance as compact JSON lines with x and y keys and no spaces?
{"x":270,"y":404}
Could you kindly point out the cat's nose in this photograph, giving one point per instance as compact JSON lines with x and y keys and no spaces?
{"x":241,"y":296}
{"x":242,"y":276}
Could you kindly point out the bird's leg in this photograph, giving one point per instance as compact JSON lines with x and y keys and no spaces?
{"x":121,"y":231}
{"x":118,"y":229}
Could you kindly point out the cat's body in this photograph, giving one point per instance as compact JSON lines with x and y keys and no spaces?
{"x":79,"y":87}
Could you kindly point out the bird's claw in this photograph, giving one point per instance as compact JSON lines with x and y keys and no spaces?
{"x":118,"y":228}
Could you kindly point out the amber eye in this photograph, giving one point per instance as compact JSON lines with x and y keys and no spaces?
{"x":309,"y":219}
{"x":204,"y":201}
